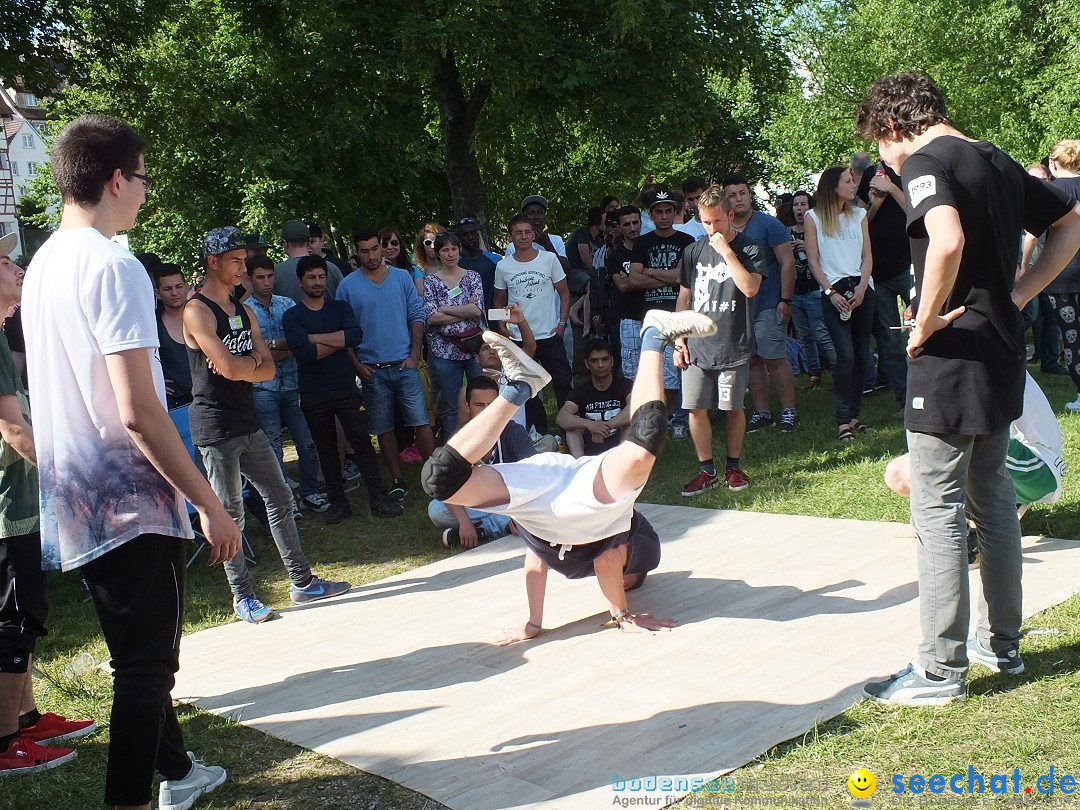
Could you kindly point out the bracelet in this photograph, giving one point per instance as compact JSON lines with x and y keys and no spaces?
{"x":623,"y":615}
{"x":829,"y":292}
{"x":530,"y":624}
{"x":785,"y":300}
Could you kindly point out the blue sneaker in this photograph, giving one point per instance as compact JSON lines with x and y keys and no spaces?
{"x":911,"y":687}
{"x":317,"y":589}
{"x":250,"y":609}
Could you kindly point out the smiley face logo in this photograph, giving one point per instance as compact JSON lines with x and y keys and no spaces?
{"x":862,"y":784}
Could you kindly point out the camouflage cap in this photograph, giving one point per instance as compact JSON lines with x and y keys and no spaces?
{"x":222,"y":240}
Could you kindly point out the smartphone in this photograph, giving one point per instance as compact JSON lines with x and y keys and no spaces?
{"x":501,"y":314}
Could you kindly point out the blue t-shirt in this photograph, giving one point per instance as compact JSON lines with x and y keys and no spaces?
{"x":384,"y":312}
{"x":769,"y":232}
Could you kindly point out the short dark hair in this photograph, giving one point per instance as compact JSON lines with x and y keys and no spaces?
{"x":598,"y":345}
{"x":735,"y":180}
{"x":804,"y":193}
{"x":364,"y":234}
{"x":517,"y":220}
{"x":608,"y":200}
{"x":310,"y":262}
{"x":164,"y":270}
{"x":313,"y":229}
{"x":443,"y":238}
{"x":481,"y":383}
{"x":260,"y":261}
{"x":88,"y":151}
{"x":595,"y":216}
{"x":907,"y":103}
{"x":628,"y":210}
{"x":694,"y":183}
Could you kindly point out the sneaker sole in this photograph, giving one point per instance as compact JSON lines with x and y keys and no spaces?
{"x":686,"y":494}
{"x":310,"y":508}
{"x":739,"y":488}
{"x":44,"y":766}
{"x":308,"y":599}
{"x":188,"y":803}
{"x":495,"y":340}
{"x":74,"y":735}
{"x":703,"y":326}
{"x":936,"y":701}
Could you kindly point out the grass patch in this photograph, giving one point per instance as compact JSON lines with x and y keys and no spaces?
{"x":1031,"y":723}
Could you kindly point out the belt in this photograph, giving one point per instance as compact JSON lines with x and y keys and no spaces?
{"x":386,"y":365}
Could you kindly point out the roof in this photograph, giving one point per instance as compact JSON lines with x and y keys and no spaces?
{"x":11,"y":128}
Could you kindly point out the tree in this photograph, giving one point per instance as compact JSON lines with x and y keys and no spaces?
{"x":33,"y":44}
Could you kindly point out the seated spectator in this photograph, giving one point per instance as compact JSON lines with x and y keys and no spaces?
{"x":453,"y":301}
{"x":594,"y":412}
{"x":466,"y":527}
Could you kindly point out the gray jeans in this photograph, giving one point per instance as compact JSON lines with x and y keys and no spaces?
{"x":948,"y":473}
{"x":253,"y":457}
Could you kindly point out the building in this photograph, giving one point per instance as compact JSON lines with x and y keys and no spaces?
{"x":22,"y":151}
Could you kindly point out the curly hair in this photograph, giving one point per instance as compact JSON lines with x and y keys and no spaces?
{"x":907,"y":103}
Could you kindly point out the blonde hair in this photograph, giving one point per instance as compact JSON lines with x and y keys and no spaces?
{"x":714,"y":197}
{"x":1066,"y":154}
{"x":829,"y":208}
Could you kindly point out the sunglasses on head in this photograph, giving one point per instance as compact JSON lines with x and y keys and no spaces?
{"x":468,"y":221}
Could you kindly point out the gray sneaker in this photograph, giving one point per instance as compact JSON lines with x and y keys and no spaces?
{"x":516,"y":365}
{"x":683,"y":324}
{"x":1007,"y":660}
{"x":911,"y":687}
{"x":180,"y":794}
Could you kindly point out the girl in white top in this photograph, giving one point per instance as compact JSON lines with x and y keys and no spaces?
{"x":838,"y":250}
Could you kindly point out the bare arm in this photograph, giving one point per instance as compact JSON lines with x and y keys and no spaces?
{"x":200,"y":329}
{"x":1062,"y":243}
{"x":944,"y":248}
{"x":449,"y":314}
{"x":155,"y":435}
{"x":786,"y":256}
{"x":15,"y":429}
{"x":563,"y":291}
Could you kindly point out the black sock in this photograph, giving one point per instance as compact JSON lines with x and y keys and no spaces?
{"x":732,"y":463}
{"x":6,"y":740}
{"x":311,"y":578}
{"x":708,"y":466}
{"x":29,"y":719}
{"x":930,"y":676}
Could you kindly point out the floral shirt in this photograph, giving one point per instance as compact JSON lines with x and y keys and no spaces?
{"x":469,"y":290}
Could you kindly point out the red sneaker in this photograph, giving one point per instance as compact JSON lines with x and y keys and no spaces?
{"x":26,"y":756}
{"x":54,"y":728}
{"x":701,"y":482}
{"x":736,"y":479}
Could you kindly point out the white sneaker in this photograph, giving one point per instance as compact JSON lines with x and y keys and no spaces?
{"x":1073,"y":406}
{"x":678,"y":324}
{"x":316,"y":502}
{"x":180,"y":794}
{"x":516,"y":365}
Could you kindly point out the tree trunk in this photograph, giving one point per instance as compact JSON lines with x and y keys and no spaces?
{"x":458,"y":116}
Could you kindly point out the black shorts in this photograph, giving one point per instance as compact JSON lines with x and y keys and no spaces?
{"x":24,"y":604}
{"x":642,"y":553}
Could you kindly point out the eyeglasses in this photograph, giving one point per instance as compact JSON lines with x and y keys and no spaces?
{"x":468,"y":221}
{"x":148,"y":181}
{"x":391,"y":243}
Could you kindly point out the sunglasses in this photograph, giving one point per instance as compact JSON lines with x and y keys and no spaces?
{"x":468,"y":221}
{"x":431,"y":242}
{"x":391,"y":243}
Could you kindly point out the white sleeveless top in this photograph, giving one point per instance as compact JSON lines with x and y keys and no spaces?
{"x":841,"y":255}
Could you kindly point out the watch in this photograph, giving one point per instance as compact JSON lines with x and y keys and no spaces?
{"x":829,"y":291}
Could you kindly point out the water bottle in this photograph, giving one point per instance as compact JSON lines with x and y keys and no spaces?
{"x":848,"y":295}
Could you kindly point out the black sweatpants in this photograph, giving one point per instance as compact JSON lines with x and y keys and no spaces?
{"x":320,"y":409}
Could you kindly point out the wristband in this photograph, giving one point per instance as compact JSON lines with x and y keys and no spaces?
{"x":785,"y":300}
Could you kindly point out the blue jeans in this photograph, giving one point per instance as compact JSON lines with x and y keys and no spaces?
{"x":851,"y":339}
{"x":494,"y":525}
{"x":394,"y":384}
{"x":448,"y":376}
{"x":892,"y":358}
{"x":273,"y":407}
{"x":814,"y":337}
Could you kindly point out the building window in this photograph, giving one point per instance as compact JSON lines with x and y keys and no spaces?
{"x":4,"y":161}
{"x":28,"y":141}
{"x":15,"y":167}
{"x":31,"y":169}
{"x":29,"y":100}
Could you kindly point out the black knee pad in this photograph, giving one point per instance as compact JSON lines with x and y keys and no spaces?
{"x":649,"y":427}
{"x":445,"y":472}
{"x":14,"y":662}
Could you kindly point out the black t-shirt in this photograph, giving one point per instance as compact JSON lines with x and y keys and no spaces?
{"x":484,"y":267}
{"x":628,"y":305}
{"x":14,"y":331}
{"x":599,"y":406}
{"x":657,"y":252}
{"x":968,"y":378}
{"x":714,"y":293}
{"x":1068,"y":280}
{"x":889,"y":245}
{"x":581,"y":237}
{"x":804,"y":279}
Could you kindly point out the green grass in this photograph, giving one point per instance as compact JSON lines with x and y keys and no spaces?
{"x":1031,"y":723}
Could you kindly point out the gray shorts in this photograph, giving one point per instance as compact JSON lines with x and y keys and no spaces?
{"x":770,"y":332}
{"x":705,"y":388}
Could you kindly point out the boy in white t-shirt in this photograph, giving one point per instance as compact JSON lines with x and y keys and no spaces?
{"x":575,"y":515}
{"x":114,"y":472}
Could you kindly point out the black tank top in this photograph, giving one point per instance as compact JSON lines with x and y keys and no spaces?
{"x":174,"y":364}
{"x":220,"y":408}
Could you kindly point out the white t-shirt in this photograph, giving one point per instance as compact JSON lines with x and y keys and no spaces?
{"x":85,"y":297}
{"x":556,"y":242}
{"x":1039,"y":431}
{"x":532,"y":285}
{"x":841,"y":255}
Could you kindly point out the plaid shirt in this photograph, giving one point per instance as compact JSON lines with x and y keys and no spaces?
{"x":285,"y":378}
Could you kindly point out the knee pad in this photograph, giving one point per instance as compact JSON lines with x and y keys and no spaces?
{"x":649,"y":427}
{"x":445,"y":472}
{"x":14,"y":662}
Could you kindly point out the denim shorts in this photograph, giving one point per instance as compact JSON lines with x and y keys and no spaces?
{"x":388,"y":385}
{"x":770,"y":333}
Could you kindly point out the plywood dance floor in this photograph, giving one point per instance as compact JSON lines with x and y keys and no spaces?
{"x":782,"y":619}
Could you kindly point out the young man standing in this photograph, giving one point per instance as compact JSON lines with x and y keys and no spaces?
{"x":574,"y":515}
{"x":114,"y":472}
{"x":535,"y":280}
{"x":595,"y":412}
{"x":627,"y":307}
{"x":320,"y":332}
{"x":967,"y":204}
{"x":474,"y":257}
{"x":718,"y":275}
{"x":277,"y":400}
{"x":171,"y":289}
{"x":227,"y":354}
{"x":772,"y":308}
{"x":535,"y":208}
{"x":391,"y":318}
{"x":654,"y":270}
{"x":24,"y":603}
